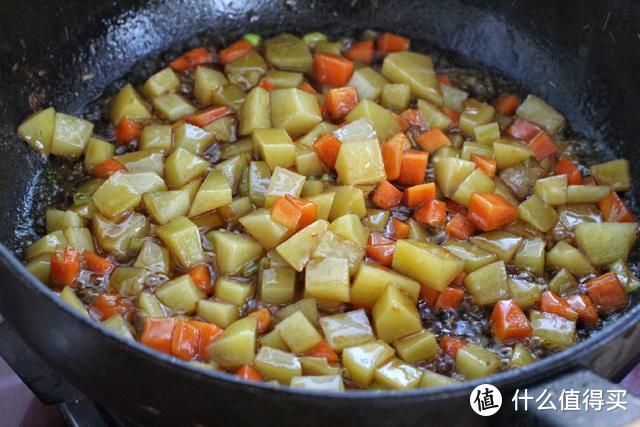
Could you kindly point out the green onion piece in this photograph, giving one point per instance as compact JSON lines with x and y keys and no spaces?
{"x":135,"y":243}
{"x":311,"y":38}
{"x":250,"y":269}
{"x":252,"y":38}
{"x":325,"y":178}
{"x":80,"y":199}
{"x":369,"y":34}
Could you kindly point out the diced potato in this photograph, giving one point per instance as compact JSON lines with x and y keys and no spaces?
{"x":427,"y":263}
{"x":282,"y":182}
{"x":206,"y":80}
{"x":246,"y":70}
{"x":259,"y":180}
{"x":318,"y":366}
{"x":180,"y":294}
{"x":56,"y":219}
{"x":294,"y":110}
{"x":307,"y":306}
{"x":606,"y":242}
{"x":398,"y":375}
{"x":128,"y":280}
{"x":233,"y":291}
{"x":372,"y":280}
{"x":275,"y":147}
{"x":474,"y":361}
{"x":362,"y":360}
{"x":219,"y":313}
{"x":233,"y":169}
{"x":563,"y":282}
{"x":554,"y":330}
{"x":229,"y":95}
{"x":350,"y":227}
{"x":68,"y":296}
{"x":539,"y":112}
{"x":223,"y":129}
{"x":145,"y":182}
{"x":503,"y":190}
{"x":476,"y":182}
{"x":537,"y":213}
{"x":308,"y":163}
{"x":298,"y":333}
{"x":80,"y":239}
{"x":192,"y":138}
{"x":234,"y":251}
{"x":432,"y":379}
{"x":473,"y":256}
{"x":288,"y":52}
{"x":182,"y":166}
{"x":274,"y":340}
{"x":277,"y":285}
{"x":486,"y":134}
{"x":451,"y":172}
{"x":520,"y":357}
{"x":161,"y":82}
{"x":488,"y":284}
{"x":311,"y":136}
{"x":348,"y":199}
{"x":242,"y":146}
{"x":150,"y":305}
{"x":277,"y":365}
{"x":453,"y":97}
{"x":525,"y":293}
{"x":114,"y":237}
{"x":116,"y":196}
{"x":236,"y":345}
{"x":475,"y":114}
{"x":213,"y":193}
{"x":172,"y":106}
{"x":298,"y":248}
{"x":96,"y":152}
{"x":324,"y":203}
{"x":379,"y":117}
{"x":346,"y":329}
{"x":627,"y":279}
{"x":563,"y":255}
{"x":368,"y":83}
{"x":153,"y":257}
{"x":311,"y":187}
{"x":150,"y":160}
{"x":552,"y":190}
{"x":530,"y":256}
{"x":417,"y":71}
{"x":586,"y":193}
{"x":264,"y":229}
{"x":164,"y":206}
{"x":360,"y":162}
{"x":336,"y":246}
{"x":40,"y":267}
{"x":128,"y":103}
{"x":376,"y":220}
{"x":183,"y":240}
{"x":395,"y":315}
{"x":118,"y":325}
{"x":396,"y":96}
{"x":37,"y":130}
{"x":357,"y":130}
{"x":510,"y":152}
{"x":614,"y":173}
{"x":433,"y":116}
{"x":470,"y":148}
{"x":284,"y":79}
{"x":319,"y":382}
{"x":70,"y":135}
{"x":255,"y":112}
{"x":328,"y":278}
{"x":417,"y":347}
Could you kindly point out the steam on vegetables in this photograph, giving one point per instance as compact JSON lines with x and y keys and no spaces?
{"x":334,"y":215}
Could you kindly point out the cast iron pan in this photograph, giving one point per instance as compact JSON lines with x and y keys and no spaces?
{"x":581,"y":56}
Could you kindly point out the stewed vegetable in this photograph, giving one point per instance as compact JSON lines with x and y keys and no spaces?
{"x":334,"y":215}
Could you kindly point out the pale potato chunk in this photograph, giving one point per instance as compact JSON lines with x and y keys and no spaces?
{"x":182,"y":238}
{"x":362,"y":360}
{"x":398,"y":375}
{"x":234,"y":251}
{"x":328,"y":279}
{"x":346,"y":329}
{"x":237,"y":344}
{"x":371,"y":281}
{"x":395,"y":315}
{"x":214,"y":192}
{"x":277,"y":365}
{"x":427,"y":263}
{"x":180,"y":294}
{"x":298,"y":248}
{"x":298,"y":333}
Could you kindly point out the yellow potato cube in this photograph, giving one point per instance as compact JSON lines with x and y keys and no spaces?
{"x":237,"y":344}
{"x":395,"y":315}
{"x":298,"y":333}
{"x":234,"y":251}
{"x":346,"y":329}
{"x":277,"y":365}
{"x":182,"y":238}
{"x":417,"y":347}
{"x":180,"y":294}
{"x":362,"y":360}
{"x":328,"y":279}
{"x":275,"y":147}
{"x":427,"y":263}
{"x":398,"y":375}
{"x":372,"y":280}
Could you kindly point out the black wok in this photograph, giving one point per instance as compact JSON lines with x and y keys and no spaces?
{"x":582,"y":56}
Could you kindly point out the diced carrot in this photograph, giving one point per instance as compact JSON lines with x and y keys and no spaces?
{"x":305,"y":86}
{"x":607,"y":293}
{"x":550,"y":302}
{"x":582,"y":304}
{"x":444,"y":79}
{"x":433,"y":140}
{"x":404,"y":123}
{"x":376,"y":239}
{"x":455,"y":207}
{"x":192,"y":58}
{"x":208,"y":334}
{"x":453,"y":115}
{"x":413,"y":116}
{"x":65,"y":268}
{"x":522,"y":129}
{"x":508,"y":321}
{"x":507,"y":104}
{"x":566,"y":167}
{"x":381,"y":253}
{"x":392,"y":150}
{"x":106,"y":168}
{"x":201,"y":276}
{"x":308,"y":210}
{"x":327,"y":147}
{"x":389,"y":42}
{"x":235,"y":50}
{"x":613,"y":209}
{"x":96,"y":263}
{"x":413,"y":167}
{"x":361,"y":51}
{"x":323,"y":350}
{"x":386,"y":195}
{"x":128,"y":130}
{"x":331,"y":69}
{"x":429,"y":294}
{"x":339,"y":101}
{"x":204,"y":117}
{"x":400,"y":229}
{"x":542,"y":146}
{"x":450,"y":298}
{"x":107,"y":305}
{"x":489,"y":211}
{"x":285,"y":213}
{"x":458,"y":281}
{"x":417,"y":195}
{"x":266,"y":84}
{"x":485,"y":164}
{"x":185,"y":341}
{"x":249,"y":373}
{"x":459,"y":227}
{"x":589,"y":180}
{"x":264,"y":319}
{"x":451,"y":345}
{"x":157,"y":333}
{"x":432,"y":214}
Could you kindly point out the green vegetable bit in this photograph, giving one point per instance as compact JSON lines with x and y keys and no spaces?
{"x":315,"y":37}
{"x":252,"y":38}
